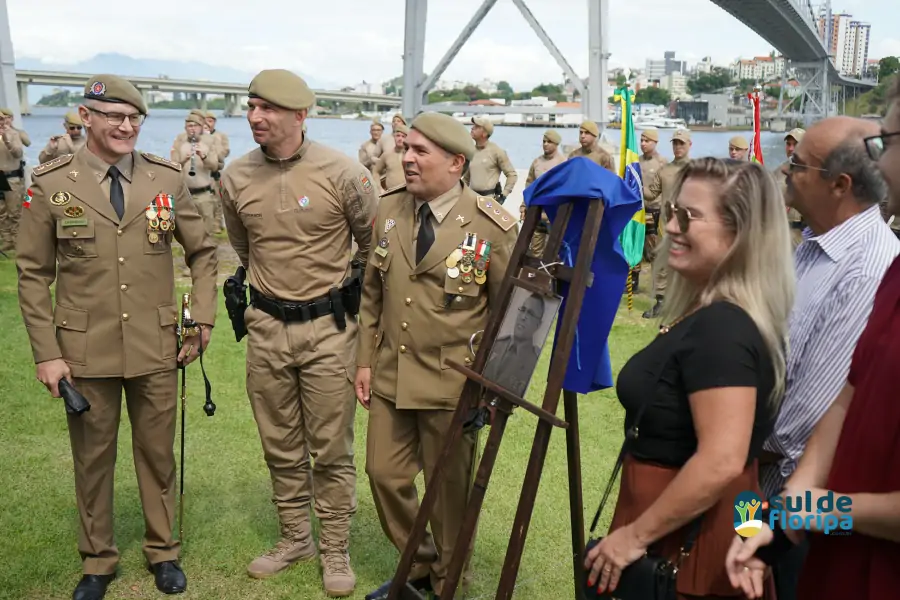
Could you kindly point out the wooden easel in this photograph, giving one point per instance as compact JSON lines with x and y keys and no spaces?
{"x":528,"y":273}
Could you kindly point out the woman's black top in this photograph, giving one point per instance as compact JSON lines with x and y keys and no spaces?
{"x":717,"y":346}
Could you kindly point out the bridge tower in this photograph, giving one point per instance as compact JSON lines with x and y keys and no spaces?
{"x":9,"y":94}
{"x":416,"y":85}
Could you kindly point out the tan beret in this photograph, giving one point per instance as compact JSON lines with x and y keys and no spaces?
{"x":446,"y":132}
{"x":484,"y":123}
{"x":211,"y":115}
{"x":399,"y":116}
{"x":682,"y":135}
{"x":797,"y":134}
{"x":72,"y":118}
{"x":401,"y":129}
{"x":739,"y":142}
{"x":282,"y":88}
{"x":376,"y":122}
{"x":552,"y":136}
{"x":651,"y":133}
{"x":591,"y":128}
{"x":112,"y":88}
{"x":196,"y":119}
{"x":6,"y":111}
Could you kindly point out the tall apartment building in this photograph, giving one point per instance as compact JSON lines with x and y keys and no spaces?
{"x":849,"y":44}
{"x":658,"y":69}
{"x":759,"y":68}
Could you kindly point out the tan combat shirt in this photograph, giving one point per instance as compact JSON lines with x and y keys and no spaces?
{"x":64,"y":145}
{"x":414,"y":317}
{"x":223,"y":147}
{"x":650,"y":167}
{"x":390,"y":167}
{"x":115,"y":299}
{"x":10,"y":150}
{"x":291,"y":220}
{"x":541,"y":165}
{"x":663,"y":185}
{"x":485,"y":168}
{"x":202,"y":167}
{"x":598,"y":155}
{"x":370,"y":151}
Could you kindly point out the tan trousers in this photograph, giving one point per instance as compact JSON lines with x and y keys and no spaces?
{"x":11,"y":213}
{"x":401,"y":443}
{"x":151,"y":402}
{"x":300,"y":383}
{"x":206,"y":203}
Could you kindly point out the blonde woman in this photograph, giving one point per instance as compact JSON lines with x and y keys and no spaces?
{"x":709,"y":386}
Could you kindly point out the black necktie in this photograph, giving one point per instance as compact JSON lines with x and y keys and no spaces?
{"x":116,"y":193}
{"x":426,"y":233}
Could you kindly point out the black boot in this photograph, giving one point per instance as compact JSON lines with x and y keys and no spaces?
{"x":169,"y":577}
{"x":421,"y":585}
{"x":654,"y":312}
{"x":92,"y":587}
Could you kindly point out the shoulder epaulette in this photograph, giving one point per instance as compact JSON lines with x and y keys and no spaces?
{"x":393,"y":190}
{"x":161,"y":161}
{"x":52,"y":165}
{"x":496,"y":212}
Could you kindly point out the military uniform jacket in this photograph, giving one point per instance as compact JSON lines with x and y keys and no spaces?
{"x":650,"y":168}
{"x":663,"y":185}
{"x":64,"y":145}
{"x":414,"y":317}
{"x":116,"y":309}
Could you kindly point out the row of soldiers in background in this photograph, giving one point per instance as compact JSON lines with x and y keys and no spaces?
{"x":12,"y":178}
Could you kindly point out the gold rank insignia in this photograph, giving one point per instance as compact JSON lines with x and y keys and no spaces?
{"x":60,"y":199}
{"x":74,"y":212}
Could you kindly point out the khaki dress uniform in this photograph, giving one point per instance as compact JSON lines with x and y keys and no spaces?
{"x":650,"y":168}
{"x":11,"y":150}
{"x":201,"y":184}
{"x":389,"y":167}
{"x":114,"y":324}
{"x":485,"y":169}
{"x":596,"y":154}
{"x":223,"y":150}
{"x":414,"y":317}
{"x":370,"y":151}
{"x":291,"y":222}
{"x":663,"y":186}
{"x":64,"y":145}
{"x":539,"y":166}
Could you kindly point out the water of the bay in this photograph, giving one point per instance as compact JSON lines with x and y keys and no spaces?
{"x":522,"y":144}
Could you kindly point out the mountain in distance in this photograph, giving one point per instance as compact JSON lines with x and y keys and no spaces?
{"x":120,"y":64}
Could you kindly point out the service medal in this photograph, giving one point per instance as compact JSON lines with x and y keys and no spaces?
{"x":151,"y":213}
{"x":465,"y":268}
{"x":451,"y":261}
{"x":383,"y":242}
{"x":74,"y":212}
{"x":164,"y":225}
{"x":164,"y":214}
{"x":153,"y":224}
{"x":467,"y":278}
{"x":452,"y":272}
{"x":153,"y":237}
{"x":480,"y":279}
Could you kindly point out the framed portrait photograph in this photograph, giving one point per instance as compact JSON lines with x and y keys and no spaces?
{"x":523,"y":333}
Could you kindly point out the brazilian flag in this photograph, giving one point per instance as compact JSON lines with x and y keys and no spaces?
{"x":632,"y":238}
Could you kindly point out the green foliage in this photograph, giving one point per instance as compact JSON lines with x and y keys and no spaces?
{"x":58,"y":98}
{"x":715,"y":81}
{"x":887,"y":66}
{"x":620,"y":80}
{"x":873,"y":101}
{"x":653,"y":95}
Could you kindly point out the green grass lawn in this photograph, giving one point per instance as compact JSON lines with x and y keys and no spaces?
{"x":229,"y":518}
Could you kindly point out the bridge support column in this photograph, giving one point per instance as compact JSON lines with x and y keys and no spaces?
{"x":203,"y":101}
{"x":8,"y":96}
{"x":815,"y":91}
{"x":24,"y":105}
{"x":414,"y":57}
{"x":232,"y":106}
{"x":145,"y":94}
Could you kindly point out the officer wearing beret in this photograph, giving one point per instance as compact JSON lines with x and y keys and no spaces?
{"x":738,"y":148}
{"x":651,"y":162}
{"x":101,"y":223}
{"x":26,"y":141}
{"x":386,"y":142}
{"x":550,"y":157}
{"x":68,"y":143}
{"x":587,"y":137}
{"x":12,"y":170}
{"x":389,"y":166}
{"x":292,"y":207}
{"x":198,"y":160}
{"x":433,"y":280}
{"x":489,"y":162}
{"x":371,"y":149}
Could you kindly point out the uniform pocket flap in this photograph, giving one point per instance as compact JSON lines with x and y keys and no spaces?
{"x":67,"y":317}
{"x":382,"y":262}
{"x":457,"y":287}
{"x":168,"y":315}
{"x":80,"y":228}
{"x":458,"y":353}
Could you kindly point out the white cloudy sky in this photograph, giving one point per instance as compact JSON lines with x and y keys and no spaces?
{"x":346,"y":41}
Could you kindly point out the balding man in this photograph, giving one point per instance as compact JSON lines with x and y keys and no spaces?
{"x":389,"y":166}
{"x":489,"y":162}
{"x":847,"y":248}
{"x":371,"y":149}
{"x":738,"y":148}
{"x":68,"y":143}
{"x":432,"y":280}
{"x":292,"y":207}
{"x":588,"y":134}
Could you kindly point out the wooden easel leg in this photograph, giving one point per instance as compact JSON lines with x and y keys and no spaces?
{"x":576,"y":504}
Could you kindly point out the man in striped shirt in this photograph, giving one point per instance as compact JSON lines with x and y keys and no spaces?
{"x":846,"y":250}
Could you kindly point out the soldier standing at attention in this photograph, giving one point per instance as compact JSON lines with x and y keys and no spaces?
{"x":198,"y":161}
{"x":489,"y":162}
{"x":386,"y":141}
{"x":587,"y":137}
{"x":432,"y":281}
{"x":68,"y":143}
{"x":651,"y":162}
{"x":389,"y":166}
{"x":291,"y":208}
{"x":662,"y":187}
{"x":223,"y":149}
{"x":371,"y":148}
{"x":738,"y":148}
{"x":11,"y":151}
{"x":549,"y":159}
{"x":101,"y":224}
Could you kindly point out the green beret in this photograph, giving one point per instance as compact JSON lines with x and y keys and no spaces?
{"x":552,"y":136}
{"x":196,"y":119}
{"x":282,"y":88}
{"x":111,"y":88}
{"x":446,"y":132}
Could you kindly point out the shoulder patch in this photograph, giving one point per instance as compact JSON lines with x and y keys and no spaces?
{"x":52,"y":165}
{"x":393,"y":190}
{"x":161,"y":161}
{"x":495,"y":211}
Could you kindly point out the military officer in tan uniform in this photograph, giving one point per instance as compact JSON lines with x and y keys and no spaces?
{"x":389,"y":166}
{"x":371,"y":149}
{"x":8,"y":114}
{"x":68,"y":143}
{"x":88,"y":229}
{"x":292,"y":207}
{"x":794,"y":137}
{"x":587,"y":137}
{"x":198,"y":161}
{"x":11,"y":152}
{"x":738,"y":148}
{"x":549,"y":159}
{"x":223,"y":149}
{"x":432,"y":280}
{"x":662,"y":187}
{"x":205,"y":135}
{"x":386,"y":141}
{"x":489,"y":162}
{"x":651,"y":162}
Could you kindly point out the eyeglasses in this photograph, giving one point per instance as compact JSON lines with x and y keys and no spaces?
{"x":793,"y":165}
{"x":115,"y":119}
{"x":875,"y":145}
{"x":74,"y":127}
{"x":530,"y":313}
{"x":682,"y":215}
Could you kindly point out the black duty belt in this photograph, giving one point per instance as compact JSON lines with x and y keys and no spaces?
{"x":337,"y":302}
{"x":200,"y":190}
{"x":16,"y":173}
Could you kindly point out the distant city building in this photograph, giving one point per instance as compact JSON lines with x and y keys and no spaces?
{"x":759,"y":68}
{"x":658,"y":69}
{"x":676,"y":84}
{"x":704,"y":67}
{"x":368,"y":88}
{"x":849,"y":44}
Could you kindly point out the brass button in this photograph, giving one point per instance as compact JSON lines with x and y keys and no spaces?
{"x":119,"y":232}
{"x":124,"y":316}
{"x":413,"y":277}
{"x":64,"y":323}
{"x":121,"y":260}
{"x":123,"y":287}
{"x":468,"y":360}
{"x":74,"y":234}
{"x":461,"y":289}
{"x":402,"y":349}
{"x":404,"y":326}
{"x":408,"y":301}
